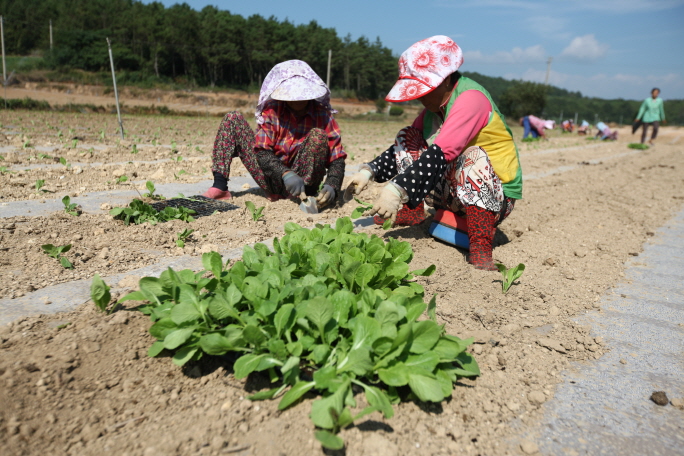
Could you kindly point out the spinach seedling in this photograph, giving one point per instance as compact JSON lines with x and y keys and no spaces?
{"x":56,"y":251}
{"x":177,"y":159}
{"x":134,"y":149}
{"x":637,"y":146}
{"x":256,"y":213}
{"x":509,"y":275}
{"x":5,"y":169}
{"x":150,"y":191}
{"x":121,"y":179}
{"x":358,"y":212}
{"x":183,"y":236}
{"x":69,"y":207}
{"x":63,"y":162}
{"x":74,"y":143}
{"x":99,"y":293}
{"x":40,"y":183}
{"x":1,"y":157}
{"x":44,"y":157}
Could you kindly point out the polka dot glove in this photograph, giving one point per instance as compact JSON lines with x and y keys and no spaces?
{"x":422,"y":176}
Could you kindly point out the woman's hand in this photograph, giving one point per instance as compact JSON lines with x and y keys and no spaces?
{"x":294,"y":184}
{"x":325,"y":196}
{"x":388,"y":203}
{"x":358,"y":183}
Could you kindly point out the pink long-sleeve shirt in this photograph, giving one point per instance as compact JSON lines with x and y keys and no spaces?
{"x":469,"y":114}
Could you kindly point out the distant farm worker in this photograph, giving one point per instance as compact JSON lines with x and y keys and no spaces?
{"x":605,"y":133}
{"x":535,"y":126}
{"x":458,"y":155}
{"x":651,"y":113}
{"x":584,"y":128}
{"x":568,"y":126}
{"x":297,"y":143}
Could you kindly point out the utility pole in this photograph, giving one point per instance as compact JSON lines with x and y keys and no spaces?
{"x":2,"y":38}
{"x":327,"y":80}
{"x":116,"y":93}
{"x":548,"y":70}
{"x":50,"y":34}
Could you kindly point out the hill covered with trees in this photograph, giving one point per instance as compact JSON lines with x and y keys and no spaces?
{"x":154,"y":44}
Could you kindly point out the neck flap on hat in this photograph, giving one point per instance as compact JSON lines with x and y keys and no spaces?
{"x":289,"y":70}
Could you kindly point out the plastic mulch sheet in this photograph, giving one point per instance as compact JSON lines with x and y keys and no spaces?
{"x":202,"y":205}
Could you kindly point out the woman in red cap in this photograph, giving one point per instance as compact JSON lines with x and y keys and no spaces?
{"x":458,"y":154}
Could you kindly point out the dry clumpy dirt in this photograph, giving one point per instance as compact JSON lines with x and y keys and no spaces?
{"x":81,"y":382}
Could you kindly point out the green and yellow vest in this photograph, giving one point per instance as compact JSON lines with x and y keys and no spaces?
{"x":495,"y":138}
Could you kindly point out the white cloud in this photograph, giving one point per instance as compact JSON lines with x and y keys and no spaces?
{"x":585,"y":48}
{"x":531,"y":54}
{"x":548,"y":27}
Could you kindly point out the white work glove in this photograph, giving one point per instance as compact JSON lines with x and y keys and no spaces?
{"x":358,"y":183}
{"x":325,"y":196}
{"x":388,"y":203}
{"x":294,"y":184}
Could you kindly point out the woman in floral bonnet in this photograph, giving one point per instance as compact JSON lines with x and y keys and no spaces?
{"x":297,"y":143}
{"x":457,"y":156}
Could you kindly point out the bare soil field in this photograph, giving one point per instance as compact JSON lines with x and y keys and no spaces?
{"x":81,"y":382}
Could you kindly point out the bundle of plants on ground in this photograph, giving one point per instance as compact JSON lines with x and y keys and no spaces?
{"x":139,"y":212}
{"x":328,"y":310}
{"x":532,"y":139}
{"x":637,"y":146}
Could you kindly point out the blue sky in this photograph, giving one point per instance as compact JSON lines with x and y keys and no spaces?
{"x":603,"y":48}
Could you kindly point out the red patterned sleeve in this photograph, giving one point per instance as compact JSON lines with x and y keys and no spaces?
{"x":334,"y":140}
{"x":266,"y":133}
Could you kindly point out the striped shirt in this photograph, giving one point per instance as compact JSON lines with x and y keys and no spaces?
{"x":283,"y":133}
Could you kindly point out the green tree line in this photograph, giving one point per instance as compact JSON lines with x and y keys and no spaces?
{"x":211,"y":47}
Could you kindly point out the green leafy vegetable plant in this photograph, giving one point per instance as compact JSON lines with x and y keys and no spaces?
{"x":531,"y":139}
{"x":99,"y":293}
{"x":509,"y":275}
{"x":255,"y":213}
{"x":134,"y":149}
{"x":328,"y":310}
{"x":5,"y":169}
{"x":74,"y":143}
{"x":183,"y":236}
{"x":363,"y":207}
{"x":63,"y":162}
{"x":69,"y":207}
{"x":40,"y":183}
{"x":637,"y":146}
{"x":149,"y":185}
{"x":139,"y":212}
{"x":121,"y":179}
{"x":56,"y":252}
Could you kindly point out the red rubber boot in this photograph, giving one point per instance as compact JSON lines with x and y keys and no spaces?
{"x":406,"y":216}
{"x":481,"y":236}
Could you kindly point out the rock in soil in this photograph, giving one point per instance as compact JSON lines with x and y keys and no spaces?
{"x":659,"y":397}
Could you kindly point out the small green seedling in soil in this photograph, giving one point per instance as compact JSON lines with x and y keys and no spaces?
{"x":358,"y":212}
{"x":5,"y":169}
{"x":121,"y":179}
{"x":99,"y":293}
{"x":134,"y":149}
{"x":56,"y":251}
{"x":198,"y":149}
{"x":174,"y":146}
{"x":177,"y":159}
{"x":1,"y":157}
{"x":102,"y":135}
{"x":509,"y":275}
{"x":63,"y":162}
{"x":183,"y":236}
{"x":40,"y":183}
{"x":149,"y":185}
{"x":44,"y":157}
{"x":256,"y":213}
{"x":74,"y":143}
{"x":69,"y":207}
{"x":26,"y":144}
{"x":637,"y":146}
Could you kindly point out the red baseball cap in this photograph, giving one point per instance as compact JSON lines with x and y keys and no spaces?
{"x":424,"y":66}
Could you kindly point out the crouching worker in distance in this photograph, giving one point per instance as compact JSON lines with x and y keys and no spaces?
{"x":458,"y":155}
{"x":297,"y":143}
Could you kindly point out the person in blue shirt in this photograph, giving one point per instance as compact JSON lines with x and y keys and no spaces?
{"x":651,"y":113}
